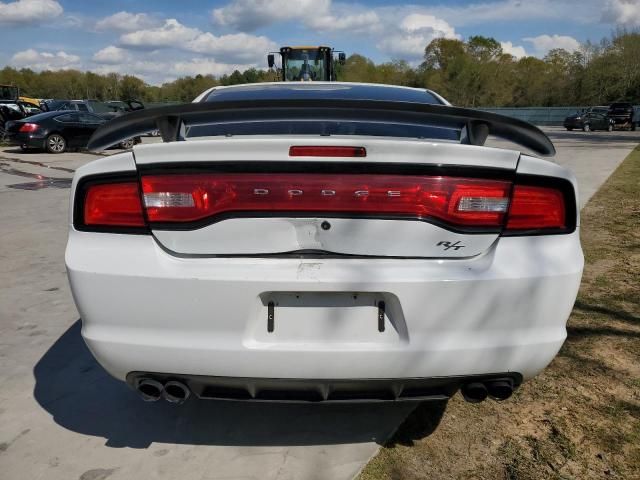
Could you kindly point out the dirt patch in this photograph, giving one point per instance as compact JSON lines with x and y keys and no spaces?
{"x":580,"y":418}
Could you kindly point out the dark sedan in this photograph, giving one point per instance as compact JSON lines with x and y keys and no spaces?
{"x":56,"y":131}
{"x":594,"y":118}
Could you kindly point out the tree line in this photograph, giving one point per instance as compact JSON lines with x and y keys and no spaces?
{"x":473,"y":73}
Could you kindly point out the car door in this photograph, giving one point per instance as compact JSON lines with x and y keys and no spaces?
{"x":600,"y":122}
{"x":69,"y":127}
{"x":87,"y":124}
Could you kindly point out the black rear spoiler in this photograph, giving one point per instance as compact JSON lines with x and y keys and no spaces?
{"x":474,"y":125}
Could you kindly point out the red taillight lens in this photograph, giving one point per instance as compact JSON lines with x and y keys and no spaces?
{"x":536,"y":208}
{"x":28,"y":127}
{"x":465,"y":202}
{"x":113,"y":204}
{"x":327,"y":151}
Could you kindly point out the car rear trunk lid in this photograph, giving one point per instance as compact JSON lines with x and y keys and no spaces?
{"x":255,"y":179}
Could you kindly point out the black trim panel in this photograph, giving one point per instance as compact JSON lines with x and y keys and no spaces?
{"x":358,"y":167}
{"x":323,"y":390}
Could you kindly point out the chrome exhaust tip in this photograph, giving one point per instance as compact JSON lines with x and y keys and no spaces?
{"x":500,"y":389}
{"x":175,"y":392}
{"x":474,"y":392}
{"x":150,"y":390}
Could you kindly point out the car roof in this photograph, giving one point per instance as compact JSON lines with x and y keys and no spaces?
{"x":321,"y":91}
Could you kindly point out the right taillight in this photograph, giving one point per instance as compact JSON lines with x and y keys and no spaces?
{"x":536,"y":208}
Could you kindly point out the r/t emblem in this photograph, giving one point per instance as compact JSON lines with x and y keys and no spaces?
{"x":448,"y":245}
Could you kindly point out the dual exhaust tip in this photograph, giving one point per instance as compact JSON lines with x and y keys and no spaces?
{"x":151,"y":390}
{"x":498,"y":389}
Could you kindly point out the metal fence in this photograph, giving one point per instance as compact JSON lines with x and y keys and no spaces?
{"x":539,"y":115}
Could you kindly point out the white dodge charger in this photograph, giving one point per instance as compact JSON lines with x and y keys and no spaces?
{"x":323,"y":242}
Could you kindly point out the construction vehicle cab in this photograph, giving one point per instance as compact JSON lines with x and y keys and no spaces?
{"x":9,"y":93}
{"x":307,"y":64}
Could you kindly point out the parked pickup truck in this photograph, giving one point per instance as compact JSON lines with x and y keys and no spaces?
{"x":623,"y":115}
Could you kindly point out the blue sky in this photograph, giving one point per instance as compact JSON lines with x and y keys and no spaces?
{"x":164,"y":39}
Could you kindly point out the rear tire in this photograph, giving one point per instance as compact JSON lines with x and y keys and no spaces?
{"x":586,"y":127}
{"x":610,"y":128}
{"x":55,"y":143}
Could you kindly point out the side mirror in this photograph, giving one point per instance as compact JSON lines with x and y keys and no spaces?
{"x":270,"y":60}
{"x":342,"y":58}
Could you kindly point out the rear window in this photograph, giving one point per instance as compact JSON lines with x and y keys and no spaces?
{"x":56,"y":104}
{"x":67,"y":118}
{"x":323,"y":128}
{"x":621,"y":106}
{"x":99,"y":107}
{"x":322,"y":91}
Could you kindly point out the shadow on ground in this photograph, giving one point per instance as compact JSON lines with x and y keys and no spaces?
{"x":82,"y":397}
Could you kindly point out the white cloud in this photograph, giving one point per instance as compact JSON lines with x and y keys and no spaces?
{"x":241,"y":48}
{"x":622,"y":12}
{"x":417,"y":22}
{"x":171,"y":34}
{"x":158,"y":69}
{"x":126,"y":22}
{"x":543,"y":43}
{"x":251,"y":14}
{"x":45,"y":60}
{"x":508,"y":11}
{"x":24,"y":12}
{"x":111,"y":55}
{"x":517,"y":51}
{"x":319,"y":15}
{"x":205,"y":66}
{"x":352,"y":22}
{"x":149,"y":70}
{"x":415,"y":32}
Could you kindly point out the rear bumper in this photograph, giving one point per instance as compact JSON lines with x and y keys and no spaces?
{"x":621,"y":120}
{"x":24,"y":140}
{"x":144,"y":310}
{"x":572,"y":124}
{"x":323,"y":390}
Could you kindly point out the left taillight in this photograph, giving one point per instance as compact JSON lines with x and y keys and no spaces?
{"x":28,"y":127}
{"x":116,"y":204}
{"x":536,"y":208}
